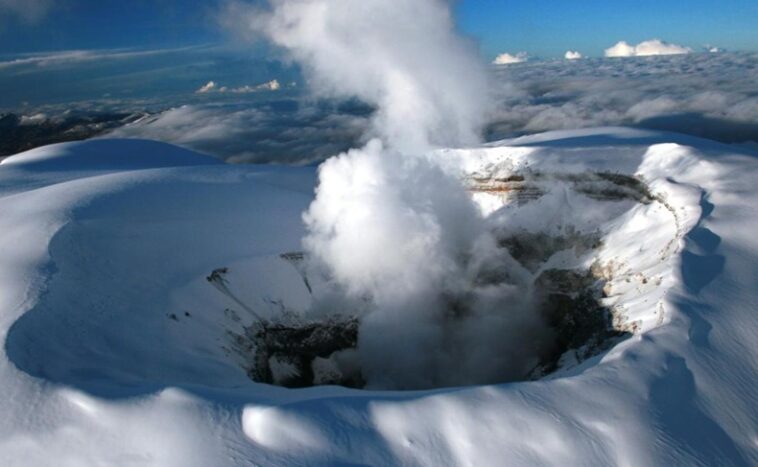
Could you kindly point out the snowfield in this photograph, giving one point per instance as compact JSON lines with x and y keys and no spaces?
{"x":117,"y":351}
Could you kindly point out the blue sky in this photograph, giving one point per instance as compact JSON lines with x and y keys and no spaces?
{"x":548,"y":28}
{"x":543,"y":28}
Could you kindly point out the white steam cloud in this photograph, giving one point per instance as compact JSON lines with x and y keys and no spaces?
{"x":508,"y":59}
{"x":426,"y":82}
{"x":396,"y":232}
{"x":645,"y":49}
{"x":573,"y":55}
{"x":400,"y":232}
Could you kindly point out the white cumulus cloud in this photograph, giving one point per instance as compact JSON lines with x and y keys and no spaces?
{"x":272,"y":85}
{"x":507,"y":59}
{"x":646,"y":48}
{"x":573,"y":55}
{"x":210,"y":86}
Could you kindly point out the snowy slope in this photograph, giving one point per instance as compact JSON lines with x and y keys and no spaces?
{"x":116,"y":349}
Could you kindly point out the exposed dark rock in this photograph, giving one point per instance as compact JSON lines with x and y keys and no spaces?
{"x":528,"y":186}
{"x":572,"y":308}
{"x":533,"y":249}
{"x":298,"y":345}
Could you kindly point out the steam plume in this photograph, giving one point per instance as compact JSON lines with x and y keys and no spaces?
{"x":390,"y":225}
{"x":404,"y":57}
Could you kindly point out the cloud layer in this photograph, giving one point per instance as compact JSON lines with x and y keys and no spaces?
{"x":427,"y":84}
{"x":714,"y":96}
{"x":646,"y":49}
{"x":272,"y":131}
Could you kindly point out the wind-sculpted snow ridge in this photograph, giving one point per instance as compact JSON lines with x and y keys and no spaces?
{"x":117,"y":350}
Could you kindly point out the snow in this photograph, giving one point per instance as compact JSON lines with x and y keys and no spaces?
{"x":115,"y":347}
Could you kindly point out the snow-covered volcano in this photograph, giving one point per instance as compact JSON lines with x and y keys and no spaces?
{"x":117,"y":350}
